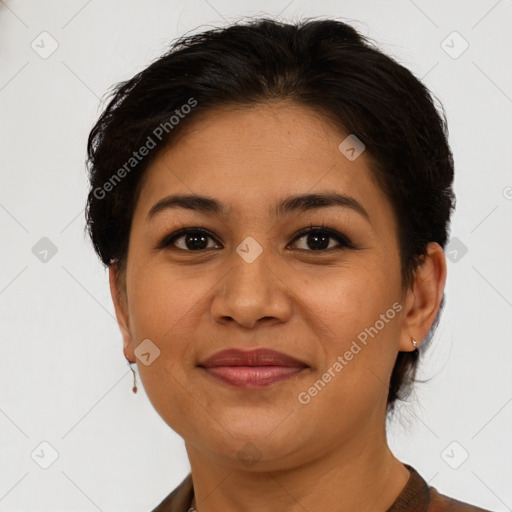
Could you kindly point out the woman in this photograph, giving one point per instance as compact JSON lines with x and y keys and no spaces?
{"x":272,"y":202}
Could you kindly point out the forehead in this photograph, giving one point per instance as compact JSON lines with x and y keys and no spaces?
{"x":252,"y":157}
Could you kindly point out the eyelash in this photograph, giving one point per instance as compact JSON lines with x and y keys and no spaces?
{"x":345,"y":243}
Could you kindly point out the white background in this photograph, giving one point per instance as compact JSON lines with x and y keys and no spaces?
{"x":63,"y":376}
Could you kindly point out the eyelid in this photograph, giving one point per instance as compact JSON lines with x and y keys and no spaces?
{"x":331,"y":232}
{"x":171,"y":237}
{"x":343,"y":240}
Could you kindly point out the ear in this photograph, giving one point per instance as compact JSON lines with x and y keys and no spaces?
{"x":118,"y":293}
{"x":423,"y":299}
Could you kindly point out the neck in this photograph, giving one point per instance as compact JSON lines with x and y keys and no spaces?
{"x":363,"y":476}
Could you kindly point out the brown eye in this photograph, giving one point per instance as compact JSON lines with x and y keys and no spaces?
{"x":194,"y":240}
{"x":320,"y":239}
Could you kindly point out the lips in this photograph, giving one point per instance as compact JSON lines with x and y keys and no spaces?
{"x":257,"y":357}
{"x":252,"y":369}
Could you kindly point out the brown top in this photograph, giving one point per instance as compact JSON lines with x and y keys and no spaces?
{"x":416,"y":496}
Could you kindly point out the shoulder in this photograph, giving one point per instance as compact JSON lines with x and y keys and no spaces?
{"x":418,"y":496}
{"x":179,"y":499}
{"x":441,"y":503}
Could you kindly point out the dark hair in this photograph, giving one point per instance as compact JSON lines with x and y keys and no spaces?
{"x":323,"y":64}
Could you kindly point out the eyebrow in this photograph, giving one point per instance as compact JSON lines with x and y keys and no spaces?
{"x":293,"y":204}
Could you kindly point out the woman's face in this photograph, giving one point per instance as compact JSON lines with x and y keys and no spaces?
{"x":255,"y":282}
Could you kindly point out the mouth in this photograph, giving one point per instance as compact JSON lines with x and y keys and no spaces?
{"x":253,"y":377}
{"x":252,"y":369}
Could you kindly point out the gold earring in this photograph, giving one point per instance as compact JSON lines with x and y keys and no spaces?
{"x":134,"y":389}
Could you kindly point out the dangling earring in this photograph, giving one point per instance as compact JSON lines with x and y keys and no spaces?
{"x":415,"y":343}
{"x":134,"y":389}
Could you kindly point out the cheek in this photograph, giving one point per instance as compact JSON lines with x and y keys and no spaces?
{"x":352,"y":312}
{"x":348,"y":299}
{"x":162,"y":307}
{"x":161,"y":302}
{"x":352,"y":381}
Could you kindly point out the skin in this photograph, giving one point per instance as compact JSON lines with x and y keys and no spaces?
{"x":308,"y":304}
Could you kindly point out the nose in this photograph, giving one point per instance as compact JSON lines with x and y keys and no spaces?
{"x":251,"y":293}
